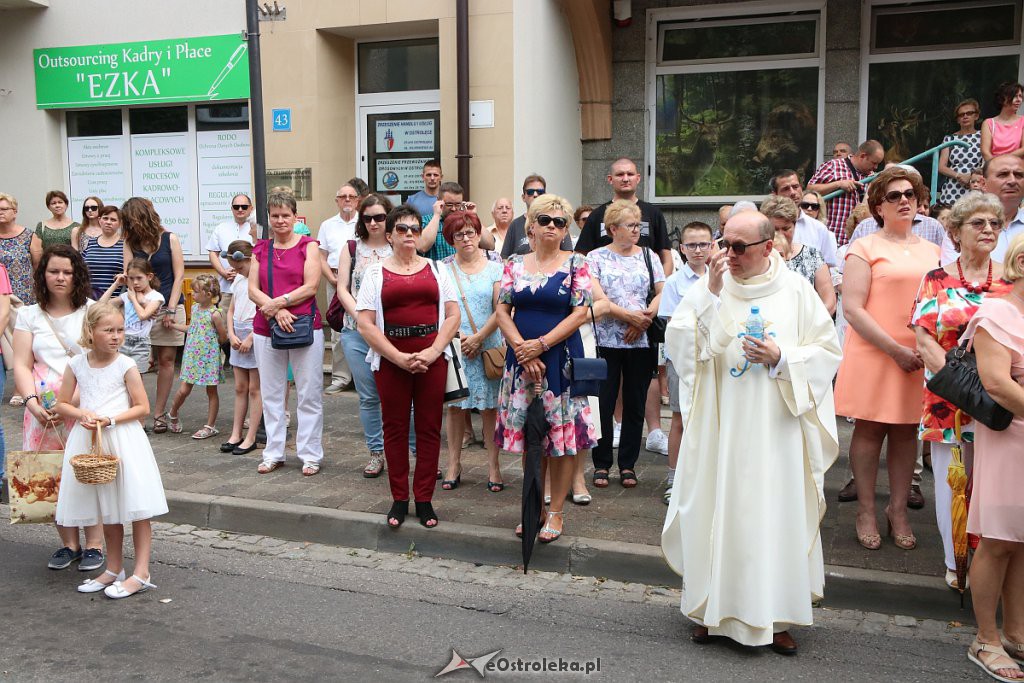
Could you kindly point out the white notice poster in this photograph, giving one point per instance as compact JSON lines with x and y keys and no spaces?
{"x":405,"y":135}
{"x":400,"y":175}
{"x":225,"y":169}
{"x":161,"y":172}
{"x":96,"y":166}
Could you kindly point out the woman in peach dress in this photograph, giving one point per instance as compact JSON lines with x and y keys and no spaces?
{"x":997,"y":507}
{"x":881,"y":378}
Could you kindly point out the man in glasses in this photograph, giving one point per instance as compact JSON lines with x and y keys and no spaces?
{"x":763,"y":433}
{"x":786,"y":183}
{"x":1004,"y":177}
{"x":516,"y":241}
{"x":239,"y":227}
{"x":423,"y":201}
{"x":846,"y":174}
{"x":431,"y":242}
{"x":334,"y":235}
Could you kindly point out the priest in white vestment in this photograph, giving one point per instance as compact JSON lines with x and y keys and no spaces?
{"x":742,"y":527}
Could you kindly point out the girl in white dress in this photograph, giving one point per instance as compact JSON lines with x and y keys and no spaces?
{"x":113,"y":399}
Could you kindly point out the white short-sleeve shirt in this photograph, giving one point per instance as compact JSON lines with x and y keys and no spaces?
{"x":221,"y":238}
{"x":46,"y":348}
{"x":134,"y":326}
{"x":334,"y":234}
{"x":245,"y":309}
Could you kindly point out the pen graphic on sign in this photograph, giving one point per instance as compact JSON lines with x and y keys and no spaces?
{"x":235,"y":58}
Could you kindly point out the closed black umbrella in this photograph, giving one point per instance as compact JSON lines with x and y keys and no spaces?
{"x":536,"y":429}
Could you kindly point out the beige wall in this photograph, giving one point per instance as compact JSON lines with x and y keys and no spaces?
{"x":309,"y":65}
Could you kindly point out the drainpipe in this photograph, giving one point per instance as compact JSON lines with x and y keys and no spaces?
{"x":259,"y":150}
{"x":462,"y":91}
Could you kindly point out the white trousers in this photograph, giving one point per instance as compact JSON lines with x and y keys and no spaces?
{"x":942,"y":455}
{"x":307,"y":367}
{"x":340,"y":373}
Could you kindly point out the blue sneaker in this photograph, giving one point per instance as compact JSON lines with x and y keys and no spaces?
{"x":63,"y":558}
{"x":91,"y":559}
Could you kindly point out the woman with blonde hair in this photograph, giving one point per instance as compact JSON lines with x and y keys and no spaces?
{"x":997,"y":508}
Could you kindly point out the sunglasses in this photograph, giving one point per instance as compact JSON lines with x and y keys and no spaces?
{"x":738,"y":248}
{"x":374,"y":218}
{"x":534,"y":192}
{"x":894,"y":196}
{"x":810,"y":206}
{"x":980,"y":223}
{"x":239,"y":207}
{"x":967,"y":113}
{"x":90,"y":208}
{"x":402,"y":229}
{"x":545,"y":220}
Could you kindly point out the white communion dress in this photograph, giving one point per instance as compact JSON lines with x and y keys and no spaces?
{"x":137,"y":493}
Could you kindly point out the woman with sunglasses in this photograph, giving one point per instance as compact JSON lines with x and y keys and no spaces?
{"x":881,"y":376}
{"x":625,"y":272}
{"x":371,"y":246}
{"x":90,"y":226}
{"x":813,"y":204}
{"x":956,"y":163}
{"x":408,"y":312}
{"x":58,"y":228}
{"x":549,"y":293}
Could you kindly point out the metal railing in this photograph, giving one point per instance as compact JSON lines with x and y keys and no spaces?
{"x":933,"y":153}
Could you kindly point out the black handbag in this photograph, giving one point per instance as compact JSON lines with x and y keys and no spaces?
{"x":585,"y":374}
{"x":302,"y":327}
{"x":656,"y":330}
{"x":958,"y":382}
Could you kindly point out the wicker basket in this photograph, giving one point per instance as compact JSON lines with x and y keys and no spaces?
{"x":96,"y":467}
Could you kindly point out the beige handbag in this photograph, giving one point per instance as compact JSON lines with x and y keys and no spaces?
{"x":33,"y":478}
{"x":493,"y":359}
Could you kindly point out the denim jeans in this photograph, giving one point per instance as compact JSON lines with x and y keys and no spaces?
{"x":356,"y":349}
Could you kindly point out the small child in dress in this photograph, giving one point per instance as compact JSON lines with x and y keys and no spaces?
{"x":112,"y":403}
{"x":200,"y":363}
{"x":140,"y":303}
{"x":241,"y":312}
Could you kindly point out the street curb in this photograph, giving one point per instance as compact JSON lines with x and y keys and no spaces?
{"x":925,"y":597}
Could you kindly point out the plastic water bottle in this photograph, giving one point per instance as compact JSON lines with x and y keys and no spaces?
{"x":755,"y":323}
{"x":46,"y":396}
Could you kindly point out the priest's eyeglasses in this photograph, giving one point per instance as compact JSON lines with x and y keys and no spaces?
{"x":738,"y":248}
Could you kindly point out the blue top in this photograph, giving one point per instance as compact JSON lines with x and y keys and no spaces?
{"x":105,"y":263}
{"x":422,"y":202}
{"x":163,"y":268}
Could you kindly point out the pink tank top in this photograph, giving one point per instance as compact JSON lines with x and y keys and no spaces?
{"x":1006,"y":138}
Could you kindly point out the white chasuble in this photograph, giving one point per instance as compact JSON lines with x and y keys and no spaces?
{"x":742,"y":527}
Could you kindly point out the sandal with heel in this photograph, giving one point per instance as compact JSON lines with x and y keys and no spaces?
{"x":904,"y":541}
{"x":452,"y":484}
{"x":399,"y":509}
{"x":425,"y":511}
{"x":547,"y":529}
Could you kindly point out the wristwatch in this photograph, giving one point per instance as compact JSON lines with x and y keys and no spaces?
{"x":112,"y":422}
{"x":287,"y":299}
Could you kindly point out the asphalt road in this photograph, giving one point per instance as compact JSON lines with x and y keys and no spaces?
{"x":257,"y":611}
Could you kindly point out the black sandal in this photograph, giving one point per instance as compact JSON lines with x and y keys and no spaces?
{"x":425,"y":511}
{"x":399,"y":509}
{"x":601,"y":478}
{"x":627,"y":478}
{"x":452,"y":484}
{"x":495,"y":486}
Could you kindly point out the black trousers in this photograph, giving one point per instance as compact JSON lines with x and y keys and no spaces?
{"x":633,"y":369}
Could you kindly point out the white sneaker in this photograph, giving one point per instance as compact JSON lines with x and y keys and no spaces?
{"x":616,"y":432}
{"x":657,"y":442}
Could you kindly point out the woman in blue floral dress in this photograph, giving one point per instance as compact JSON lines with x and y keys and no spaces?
{"x":549,"y":290}
{"x":476,"y":278}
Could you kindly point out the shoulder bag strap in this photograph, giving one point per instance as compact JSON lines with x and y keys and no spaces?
{"x":650,"y":272}
{"x":60,"y":338}
{"x":462,"y":295}
{"x":352,"y":263}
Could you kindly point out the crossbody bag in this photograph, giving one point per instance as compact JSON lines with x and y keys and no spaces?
{"x":302,"y":327}
{"x":493,"y":359}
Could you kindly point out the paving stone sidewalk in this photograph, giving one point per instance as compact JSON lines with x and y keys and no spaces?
{"x":631,"y":515}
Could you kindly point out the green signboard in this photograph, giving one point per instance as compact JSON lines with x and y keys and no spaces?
{"x":147,"y":72}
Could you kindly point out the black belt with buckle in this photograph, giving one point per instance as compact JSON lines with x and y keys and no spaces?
{"x":409,"y":330}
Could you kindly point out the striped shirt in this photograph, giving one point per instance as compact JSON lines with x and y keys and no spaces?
{"x":105,"y":263}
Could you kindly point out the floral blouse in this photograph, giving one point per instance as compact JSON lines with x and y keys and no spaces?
{"x":365,"y":256}
{"x":806,"y":263}
{"x":626,"y":281}
{"x":943,"y":308}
